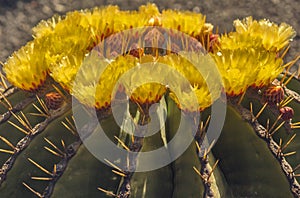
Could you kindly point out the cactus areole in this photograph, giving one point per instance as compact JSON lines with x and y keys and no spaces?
{"x":149,"y":103}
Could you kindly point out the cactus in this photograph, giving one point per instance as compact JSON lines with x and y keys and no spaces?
{"x":47,"y":151}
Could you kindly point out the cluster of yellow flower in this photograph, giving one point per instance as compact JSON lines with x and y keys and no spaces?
{"x":62,"y":45}
{"x":250,"y":56}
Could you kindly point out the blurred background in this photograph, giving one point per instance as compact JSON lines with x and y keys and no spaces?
{"x":17,"y":17}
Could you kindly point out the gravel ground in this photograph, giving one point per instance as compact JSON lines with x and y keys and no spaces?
{"x":17,"y":17}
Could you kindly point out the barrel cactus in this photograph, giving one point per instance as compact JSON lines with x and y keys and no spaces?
{"x":106,"y":102}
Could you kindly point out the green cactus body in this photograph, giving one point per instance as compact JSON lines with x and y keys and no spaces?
{"x":55,"y":132}
{"x":184,"y":178}
{"x":85,"y":177}
{"x":143,"y":181}
{"x":244,"y":154}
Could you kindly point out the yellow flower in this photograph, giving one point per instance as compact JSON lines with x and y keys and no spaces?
{"x":97,"y":78}
{"x":196,"y":84}
{"x":187,"y":22}
{"x":242,"y":68}
{"x":26,"y":68}
{"x":65,"y":51}
{"x":148,"y":93}
{"x":269,"y":66}
{"x":249,"y":56}
{"x":96,"y":87}
{"x":197,"y":99}
{"x":274,"y":37}
{"x":144,"y":83}
{"x":45,"y":28}
{"x":235,"y":40}
{"x":65,"y":71}
{"x":145,"y":80}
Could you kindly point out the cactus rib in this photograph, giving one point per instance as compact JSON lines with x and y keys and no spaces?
{"x":69,"y":153}
{"x":273,"y":146}
{"x":135,"y":147}
{"x":24,"y":142}
{"x":288,"y":91}
{"x":206,"y":171}
{"x":61,"y":167}
{"x":18,"y":107}
{"x":293,"y":94}
{"x":9,"y":91}
{"x":210,"y":185}
{"x":273,"y":109}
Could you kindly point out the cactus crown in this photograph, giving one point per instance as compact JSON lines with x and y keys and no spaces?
{"x":247,"y":57}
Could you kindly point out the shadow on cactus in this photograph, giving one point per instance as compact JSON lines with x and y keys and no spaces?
{"x":142,"y":76}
